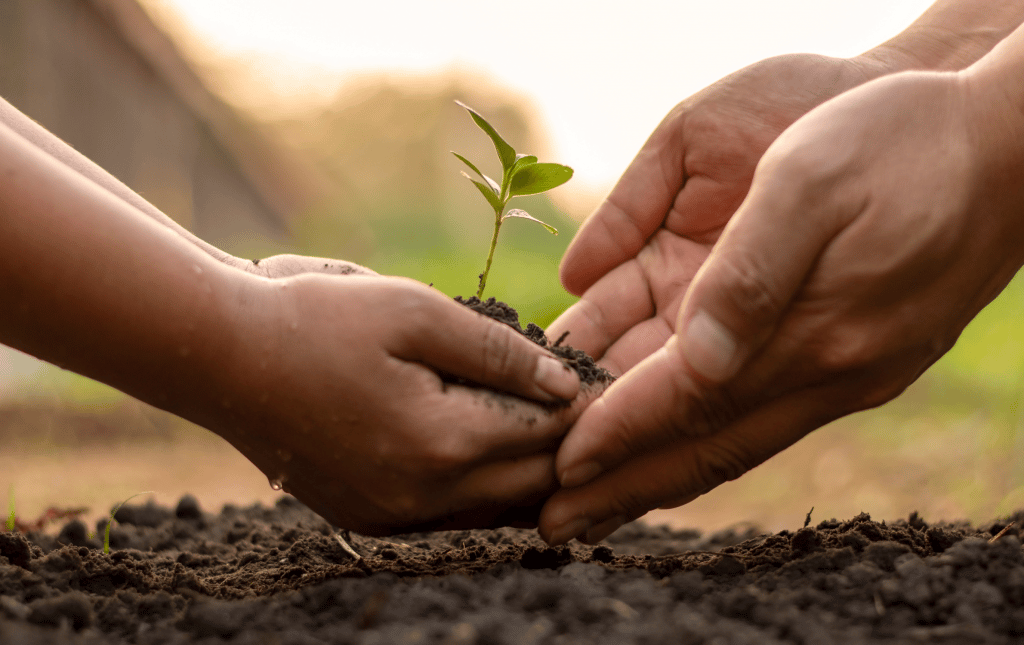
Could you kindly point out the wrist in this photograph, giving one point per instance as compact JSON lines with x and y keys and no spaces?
{"x":950,"y":36}
{"x":925,"y":49}
{"x":993,"y":93}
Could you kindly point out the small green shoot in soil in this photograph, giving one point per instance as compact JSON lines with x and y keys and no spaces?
{"x":106,"y":532}
{"x":12,"y":518}
{"x":520,"y":175}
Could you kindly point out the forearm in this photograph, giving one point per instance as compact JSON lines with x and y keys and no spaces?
{"x":89,"y":283}
{"x":65,"y":154}
{"x":949,"y":36}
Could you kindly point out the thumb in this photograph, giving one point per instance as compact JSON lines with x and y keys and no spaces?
{"x":484,"y":351}
{"x":742,"y":291}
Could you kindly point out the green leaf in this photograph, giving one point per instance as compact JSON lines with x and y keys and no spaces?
{"x":522,"y":161}
{"x":469,"y":163}
{"x":489,"y":193}
{"x":516,"y":212}
{"x":506,"y":153}
{"x":538,"y":177}
{"x":488,"y":181}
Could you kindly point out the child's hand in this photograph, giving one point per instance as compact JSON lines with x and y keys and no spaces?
{"x":335,"y":391}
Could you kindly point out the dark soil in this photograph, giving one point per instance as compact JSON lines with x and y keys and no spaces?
{"x":589,"y":371}
{"x":277,"y":575}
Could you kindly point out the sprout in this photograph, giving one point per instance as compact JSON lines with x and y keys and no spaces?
{"x":106,"y":531}
{"x":12,"y":518}
{"x":520,"y":175}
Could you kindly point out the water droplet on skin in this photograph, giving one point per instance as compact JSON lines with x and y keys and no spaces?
{"x":198,"y":269}
{"x":277,"y":484}
{"x":284,"y":455}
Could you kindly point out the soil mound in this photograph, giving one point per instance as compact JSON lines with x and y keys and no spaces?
{"x":278,"y":575}
{"x":590,"y":372}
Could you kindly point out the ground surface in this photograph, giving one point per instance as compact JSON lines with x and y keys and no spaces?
{"x":277,"y":575}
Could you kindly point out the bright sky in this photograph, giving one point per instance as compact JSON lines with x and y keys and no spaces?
{"x":601,"y":73}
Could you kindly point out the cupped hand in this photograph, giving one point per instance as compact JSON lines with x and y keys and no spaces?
{"x":344,"y":392}
{"x":876,"y":228}
{"x":635,"y":256}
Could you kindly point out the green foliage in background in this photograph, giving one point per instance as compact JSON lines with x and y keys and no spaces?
{"x":989,"y":355}
{"x":430,"y":248}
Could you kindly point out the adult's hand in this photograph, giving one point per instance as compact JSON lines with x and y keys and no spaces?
{"x":633,"y":259}
{"x":339,"y":396}
{"x":876,"y":228}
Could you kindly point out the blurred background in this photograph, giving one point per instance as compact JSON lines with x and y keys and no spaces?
{"x":323,"y":127}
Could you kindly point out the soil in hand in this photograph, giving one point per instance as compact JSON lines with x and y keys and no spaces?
{"x":589,"y":371}
{"x":278,"y":575}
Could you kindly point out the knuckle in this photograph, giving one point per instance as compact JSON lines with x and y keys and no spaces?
{"x":720,"y":461}
{"x":700,"y":410}
{"x":750,"y":292}
{"x":620,"y":226}
{"x":594,"y":318}
{"x":414,"y":312}
{"x":845,"y":348}
{"x":638,"y":497}
{"x":498,"y":352}
{"x":446,"y":454}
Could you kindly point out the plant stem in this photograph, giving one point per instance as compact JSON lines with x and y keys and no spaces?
{"x":490,"y":255}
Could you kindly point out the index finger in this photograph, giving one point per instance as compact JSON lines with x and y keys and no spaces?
{"x":634,"y":209}
{"x":453,"y":339}
{"x":684,"y":470}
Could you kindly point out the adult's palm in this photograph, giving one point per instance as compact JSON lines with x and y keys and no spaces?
{"x":635,"y":256}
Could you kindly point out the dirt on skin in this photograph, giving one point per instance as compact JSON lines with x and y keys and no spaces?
{"x":278,"y":575}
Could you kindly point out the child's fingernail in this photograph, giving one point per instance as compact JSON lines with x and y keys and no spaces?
{"x":604,"y":529}
{"x":580,"y":474}
{"x":556,"y":378}
{"x":568,"y":531}
{"x":710,"y":348}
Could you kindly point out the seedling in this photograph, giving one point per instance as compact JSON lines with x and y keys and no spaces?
{"x":520,"y":175}
{"x":12,"y":518}
{"x":106,"y":532}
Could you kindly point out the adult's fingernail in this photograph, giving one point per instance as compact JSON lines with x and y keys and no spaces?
{"x":604,"y":529}
{"x":710,"y":348}
{"x":556,"y":378}
{"x":580,"y":474}
{"x":569,"y":530}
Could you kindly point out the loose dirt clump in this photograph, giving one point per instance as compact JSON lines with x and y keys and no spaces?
{"x":278,"y":575}
{"x":590,"y":372}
